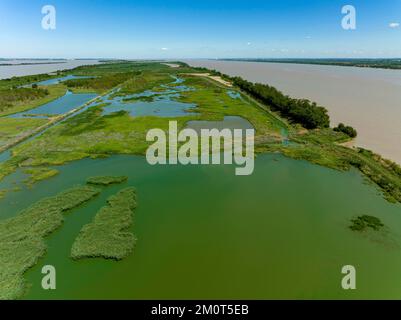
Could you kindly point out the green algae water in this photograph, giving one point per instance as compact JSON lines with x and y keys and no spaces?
{"x":204,"y":233}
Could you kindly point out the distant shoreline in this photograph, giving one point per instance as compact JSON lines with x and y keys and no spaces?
{"x":29,"y":63}
{"x":393,"y":63}
{"x":19,"y":68}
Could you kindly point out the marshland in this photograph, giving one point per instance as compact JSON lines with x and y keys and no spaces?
{"x":194,"y":222}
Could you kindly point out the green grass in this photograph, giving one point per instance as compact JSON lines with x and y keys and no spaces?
{"x":324,"y":136}
{"x":22,"y":237}
{"x":38,"y":174}
{"x":91,"y":134}
{"x":106,"y":180}
{"x":144,"y":81}
{"x":99,"y":84}
{"x":12,"y":128}
{"x":214,"y":103}
{"x":108,"y":235}
{"x":88,"y":134}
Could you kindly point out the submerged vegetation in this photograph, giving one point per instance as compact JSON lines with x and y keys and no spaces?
{"x":106,"y":180}
{"x":22,"y":237}
{"x":38,"y":174}
{"x":108,"y":235}
{"x":301,"y":111}
{"x":365,"y":222}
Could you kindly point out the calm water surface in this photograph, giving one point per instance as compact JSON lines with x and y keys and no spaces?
{"x":38,"y":67}
{"x":279,"y":233}
{"x":59,"y":106}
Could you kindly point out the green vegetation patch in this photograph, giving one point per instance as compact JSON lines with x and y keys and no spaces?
{"x":322,"y":136}
{"x":14,"y":100}
{"x":88,"y":134}
{"x":9,"y":97}
{"x":142,"y":81}
{"x":22,"y":237}
{"x":213,"y":103}
{"x":12,"y":128}
{"x":108,"y":235}
{"x":141,"y":98}
{"x":106,"y":180}
{"x":39,"y":174}
{"x":365,"y":222}
{"x":99,"y":84}
{"x":349,"y":131}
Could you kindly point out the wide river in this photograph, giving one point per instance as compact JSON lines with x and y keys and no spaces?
{"x":38,"y":67}
{"x":367,"y":99}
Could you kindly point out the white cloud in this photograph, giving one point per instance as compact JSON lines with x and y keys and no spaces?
{"x":394,"y":25}
{"x":248,"y":44}
{"x":164,"y":49}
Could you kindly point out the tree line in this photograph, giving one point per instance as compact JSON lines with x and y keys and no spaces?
{"x":302,"y":111}
{"x":349,"y":131}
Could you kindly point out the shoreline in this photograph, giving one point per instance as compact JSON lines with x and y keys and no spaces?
{"x":329,"y":62}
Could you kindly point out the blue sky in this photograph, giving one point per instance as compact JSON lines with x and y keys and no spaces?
{"x":199,"y":29}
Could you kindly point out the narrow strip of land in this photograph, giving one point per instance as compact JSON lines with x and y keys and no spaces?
{"x":208,"y":75}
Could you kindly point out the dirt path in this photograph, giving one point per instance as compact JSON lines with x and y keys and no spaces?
{"x":215,"y":78}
